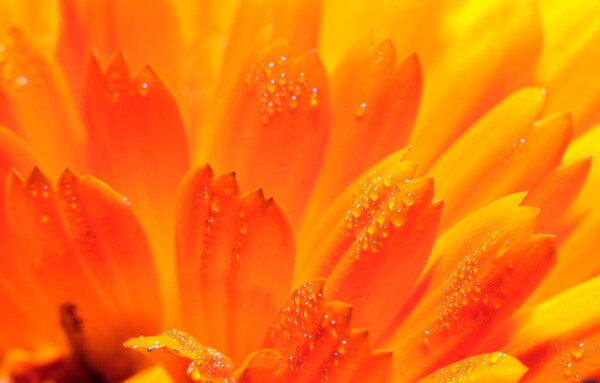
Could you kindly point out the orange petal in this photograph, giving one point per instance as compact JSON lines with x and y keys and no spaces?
{"x":412,"y":27}
{"x":575,"y":264}
{"x":207,"y":363}
{"x":30,"y":81}
{"x":470,"y":293}
{"x":586,"y":144}
{"x":569,"y":60}
{"x":327,"y":236}
{"x":514,"y":158}
{"x":374,"y":103}
{"x":493,"y":46}
{"x":147,"y":31}
{"x":131,"y":149}
{"x":558,"y":339}
{"x":82,"y":247}
{"x":371,"y":273}
{"x":300,"y":315}
{"x":485,"y":368}
{"x":235,"y":260}
{"x":375,"y":369}
{"x":319,"y":351}
{"x":275,"y":128}
{"x":557,"y":191}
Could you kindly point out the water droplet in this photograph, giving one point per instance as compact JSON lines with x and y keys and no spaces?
{"x":243,"y":228}
{"x":143,"y":89}
{"x":21,"y":80}
{"x":409,"y":200}
{"x":360,"y":111}
{"x":577,"y":352}
{"x":44,"y":219}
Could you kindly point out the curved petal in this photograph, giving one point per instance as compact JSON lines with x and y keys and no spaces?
{"x":275,"y":127}
{"x":492,"y":48}
{"x":485,"y":368}
{"x":480,"y":273}
{"x":147,"y":31}
{"x":558,"y":339}
{"x":514,"y":158}
{"x":235,"y":260}
{"x":82,"y":247}
{"x":132,"y":150}
{"x":375,"y":100}
{"x":32,"y":82}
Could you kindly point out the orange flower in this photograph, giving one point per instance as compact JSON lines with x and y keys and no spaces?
{"x":468,"y":257}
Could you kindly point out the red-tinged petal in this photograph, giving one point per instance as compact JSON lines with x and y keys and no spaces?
{"x":131,"y":149}
{"x":493,"y":48}
{"x":484,"y":368}
{"x":466,"y":302}
{"x":263,"y":366}
{"x":353,"y":353}
{"x":320,"y":349}
{"x":558,"y":339}
{"x":14,"y":154}
{"x":235,"y":260}
{"x":82,"y":247}
{"x":298,"y":317}
{"x":207,"y":364}
{"x":575,"y":264}
{"x":32,"y":82}
{"x":569,"y":60}
{"x":375,"y":369}
{"x":385,"y":259}
{"x":507,"y":160}
{"x":147,"y":31}
{"x":557,"y":191}
{"x":374,"y":103}
{"x":324,"y":242}
{"x":574,"y":358}
{"x":276,"y":124}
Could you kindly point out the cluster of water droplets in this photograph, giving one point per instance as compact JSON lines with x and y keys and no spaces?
{"x":278,"y":88}
{"x":569,"y":355}
{"x":468,"y":370}
{"x":463,"y":304}
{"x":378,"y":203}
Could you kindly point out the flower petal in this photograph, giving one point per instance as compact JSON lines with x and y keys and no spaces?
{"x":557,"y":191}
{"x":558,"y":338}
{"x":493,"y":46}
{"x":276,"y":124}
{"x":33,"y":82}
{"x":235,"y":260}
{"x":301,"y":313}
{"x":382,"y":267}
{"x":131,"y":149}
{"x":207,"y":363}
{"x":374,"y":102}
{"x":478,"y":280}
{"x":514,"y":158}
{"x":147,"y":31}
{"x":85,"y":249}
{"x":569,"y":60}
{"x":485,"y":368}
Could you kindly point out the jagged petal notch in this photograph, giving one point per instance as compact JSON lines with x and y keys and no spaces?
{"x":235,"y":260}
